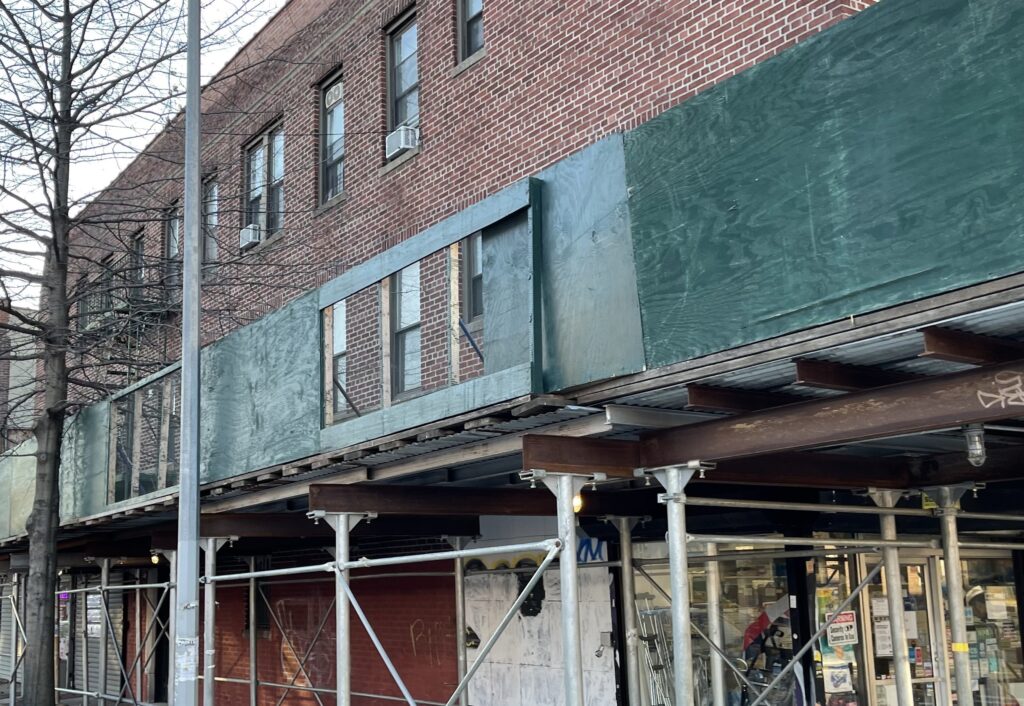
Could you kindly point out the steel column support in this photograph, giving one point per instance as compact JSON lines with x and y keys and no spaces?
{"x":13,"y":688}
{"x":342,"y":523}
{"x":894,"y":595}
{"x":104,"y":633}
{"x":213,"y":544}
{"x":674,"y":479}
{"x":628,"y":581}
{"x":461,"y":658}
{"x":566,"y":487}
{"x":172,"y":562}
{"x":253,"y":678}
{"x":713,"y":579}
{"x":947,"y":498}
{"x":137,"y":605}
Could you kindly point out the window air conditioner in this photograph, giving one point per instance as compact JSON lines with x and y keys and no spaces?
{"x":401,"y":140}
{"x":248,"y":236}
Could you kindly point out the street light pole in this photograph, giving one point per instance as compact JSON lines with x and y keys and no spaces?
{"x":186,"y":616}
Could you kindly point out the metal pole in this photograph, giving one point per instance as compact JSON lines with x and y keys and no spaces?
{"x":894,"y":595}
{"x":13,"y":688}
{"x":947,"y":500}
{"x":137,"y":600}
{"x":674,"y":480}
{"x":253,"y":679}
{"x":342,"y":624}
{"x":210,"y":623}
{"x":625,"y":526}
{"x":104,"y":633}
{"x":172,"y":624}
{"x":186,"y":634}
{"x":567,"y":486}
{"x":460,"y":622}
{"x":716,"y":632}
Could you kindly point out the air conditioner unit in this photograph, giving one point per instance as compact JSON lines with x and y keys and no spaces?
{"x":401,"y":140}
{"x":248,"y":236}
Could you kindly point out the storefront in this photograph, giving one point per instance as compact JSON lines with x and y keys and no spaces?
{"x":769,"y":593}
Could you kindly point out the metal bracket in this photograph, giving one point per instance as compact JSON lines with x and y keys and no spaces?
{"x":331,"y":518}
{"x":696,"y":465}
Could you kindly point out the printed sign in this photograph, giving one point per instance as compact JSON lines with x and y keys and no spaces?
{"x":843,"y":630}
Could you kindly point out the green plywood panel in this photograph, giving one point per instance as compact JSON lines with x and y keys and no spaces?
{"x":508,"y":281}
{"x":261,"y":392}
{"x":591,"y":316}
{"x":876,"y":163}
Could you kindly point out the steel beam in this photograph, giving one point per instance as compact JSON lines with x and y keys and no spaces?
{"x":831,"y":375}
{"x":730,"y":400}
{"x":971,"y":348}
{"x":973,"y":396}
{"x":426,"y":501}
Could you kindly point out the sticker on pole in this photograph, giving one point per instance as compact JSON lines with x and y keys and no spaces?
{"x":186,"y":659}
{"x":843,"y":630}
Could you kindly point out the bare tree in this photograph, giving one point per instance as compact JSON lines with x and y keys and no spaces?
{"x":85,"y":81}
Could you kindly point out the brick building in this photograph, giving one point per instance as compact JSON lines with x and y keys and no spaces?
{"x":458,"y":250}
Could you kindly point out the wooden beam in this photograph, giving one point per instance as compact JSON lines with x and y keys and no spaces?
{"x":973,"y":396}
{"x":617,"y":459}
{"x":704,"y":398}
{"x":970,"y":348}
{"x":830,"y":375}
{"x":429,"y":500}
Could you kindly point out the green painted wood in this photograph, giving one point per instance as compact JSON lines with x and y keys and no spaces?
{"x":451,"y":230}
{"x":879,"y":162}
{"x":447,"y":402}
{"x":508,"y":293}
{"x":591,"y":314}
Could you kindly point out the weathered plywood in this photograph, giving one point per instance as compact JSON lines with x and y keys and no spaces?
{"x":508,"y":277}
{"x":261,"y":392}
{"x":591,"y":314}
{"x":876,"y":163}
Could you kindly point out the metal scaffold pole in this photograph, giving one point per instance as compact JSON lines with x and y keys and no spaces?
{"x":716,"y":631}
{"x":894,"y":596}
{"x":674,"y":480}
{"x":947,"y":499}
{"x":342,"y":618}
{"x":460,"y":621}
{"x":625,"y":526}
{"x":185,"y":669}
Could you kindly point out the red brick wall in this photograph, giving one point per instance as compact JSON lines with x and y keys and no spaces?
{"x":557,"y":76}
{"x":414,"y":617}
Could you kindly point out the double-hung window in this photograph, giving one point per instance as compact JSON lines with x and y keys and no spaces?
{"x":172,"y":247}
{"x":211,"y":209}
{"x":405,"y":317}
{"x":339,"y":359}
{"x":471,"y":27}
{"x":264,"y":183}
{"x":404,"y":82}
{"x":473,"y":279}
{"x":332,"y":145}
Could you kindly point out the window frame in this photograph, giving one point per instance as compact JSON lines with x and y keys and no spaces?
{"x":340,"y":408}
{"x":472,"y":262}
{"x":399,"y":27}
{"x":268,"y":185}
{"x":172,"y":261}
{"x":399,"y":334}
{"x":210,"y":254}
{"x":464,"y":20}
{"x":325,"y":164}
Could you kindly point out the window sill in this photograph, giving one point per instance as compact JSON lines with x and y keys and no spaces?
{"x":475,"y":326}
{"x":469,"y":62}
{"x":330,"y":204}
{"x":400,"y":160}
{"x":408,"y":395}
{"x":264,"y":244}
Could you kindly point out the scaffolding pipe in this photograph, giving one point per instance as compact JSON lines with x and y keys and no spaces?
{"x":137,"y":605}
{"x":104,"y":633}
{"x":291,"y":571}
{"x":461,"y":659}
{"x":210,"y":623}
{"x":460,"y":690}
{"x":808,"y":507}
{"x":171,"y":622}
{"x":342,"y":620}
{"x":565,"y":491}
{"x":625,"y":526}
{"x":13,"y":687}
{"x":674,"y":480}
{"x":813,"y":541}
{"x":894,"y":596}
{"x":365,"y":563}
{"x":253,"y":683}
{"x":715,"y":628}
{"x":947,"y":500}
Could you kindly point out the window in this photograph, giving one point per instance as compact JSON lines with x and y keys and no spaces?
{"x":473,"y":278}
{"x":264,"y":182}
{"x":332,"y":146}
{"x":471,"y":27}
{"x":339,"y":364}
{"x":404,"y":83}
{"x":405,"y":317}
{"x":172,"y":247}
{"x":211,"y":212}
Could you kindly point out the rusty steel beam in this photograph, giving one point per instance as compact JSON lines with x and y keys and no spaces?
{"x":831,"y":375}
{"x":969,"y":348}
{"x":1001,"y":464}
{"x":973,"y":396}
{"x":619,"y":459}
{"x":428,"y":500}
{"x":731,"y":400}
